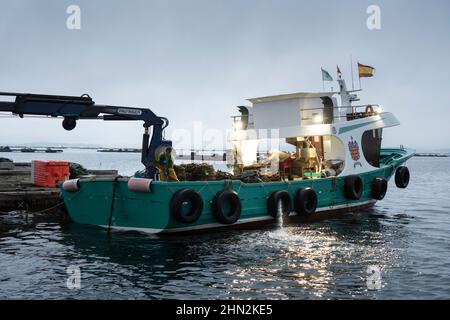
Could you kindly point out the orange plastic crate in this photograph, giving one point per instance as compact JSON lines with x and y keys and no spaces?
{"x":49,"y":173}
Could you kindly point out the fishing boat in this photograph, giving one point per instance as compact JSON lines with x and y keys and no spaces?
{"x":50,"y":150}
{"x":336,"y":164}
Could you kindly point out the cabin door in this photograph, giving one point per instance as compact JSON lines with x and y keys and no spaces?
{"x":328,"y":110}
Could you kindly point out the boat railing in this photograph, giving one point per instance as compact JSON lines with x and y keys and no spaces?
{"x":319,"y":115}
{"x":357,"y":112}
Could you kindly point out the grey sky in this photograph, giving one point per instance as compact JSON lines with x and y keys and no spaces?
{"x":196,"y":60}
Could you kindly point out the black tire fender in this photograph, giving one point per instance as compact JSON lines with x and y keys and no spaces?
{"x":379,"y":188}
{"x":182,"y":196}
{"x":220,"y":199}
{"x":402,"y":177}
{"x":353,"y":187}
{"x":274,"y":199}
{"x":305,"y":202}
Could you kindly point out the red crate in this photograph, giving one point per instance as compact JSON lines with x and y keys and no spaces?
{"x":49,"y":173}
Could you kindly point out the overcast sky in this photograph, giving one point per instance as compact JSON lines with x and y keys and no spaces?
{"x":196,"y":60}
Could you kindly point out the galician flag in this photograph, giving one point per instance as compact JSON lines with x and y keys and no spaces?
{"x":326,"y":76}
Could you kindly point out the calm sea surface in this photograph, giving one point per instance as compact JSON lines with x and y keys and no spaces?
{"x":406,"y":237}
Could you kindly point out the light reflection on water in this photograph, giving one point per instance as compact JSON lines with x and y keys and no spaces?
{"x":406,"y":235}
{"x":288,"y":262}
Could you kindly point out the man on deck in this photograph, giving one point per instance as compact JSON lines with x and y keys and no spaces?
{"x":165,"y":165}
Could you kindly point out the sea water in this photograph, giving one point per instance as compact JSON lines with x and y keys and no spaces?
{"x":400,"y":249}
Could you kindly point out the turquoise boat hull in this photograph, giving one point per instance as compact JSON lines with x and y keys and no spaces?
{"x":94,"y":203}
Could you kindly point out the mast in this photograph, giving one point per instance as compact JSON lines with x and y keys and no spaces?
{"x":351,"y":68}
{"x":347,"y":97}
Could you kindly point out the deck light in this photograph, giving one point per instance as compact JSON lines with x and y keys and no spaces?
{"x":238,"y":125}
{"x":318,"y":118}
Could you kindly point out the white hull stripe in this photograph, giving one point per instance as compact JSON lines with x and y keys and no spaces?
{"x":240,"y":222}
{"x":346,"y":205}
{"x":197,"y":227}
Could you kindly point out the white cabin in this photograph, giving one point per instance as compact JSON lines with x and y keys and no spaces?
{"x":316,"y":124}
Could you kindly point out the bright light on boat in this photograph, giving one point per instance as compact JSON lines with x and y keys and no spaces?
{"x":379,"y":110}
{"x":238,"y":125}
{"x":246,"y":151}
{"x":318,"y":118}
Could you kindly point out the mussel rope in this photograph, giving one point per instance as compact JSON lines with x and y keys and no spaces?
{"x":49,"y":209}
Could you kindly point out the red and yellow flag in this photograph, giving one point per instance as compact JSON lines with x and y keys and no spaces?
{"x":365,"y":71}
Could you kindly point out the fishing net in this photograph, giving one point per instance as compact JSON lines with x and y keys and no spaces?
{"x":77,"y":170}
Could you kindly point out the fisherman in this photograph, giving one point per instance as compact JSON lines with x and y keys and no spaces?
{"x":165,"y":165}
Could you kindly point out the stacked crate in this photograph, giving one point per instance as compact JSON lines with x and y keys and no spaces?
{"x":49,"y":173}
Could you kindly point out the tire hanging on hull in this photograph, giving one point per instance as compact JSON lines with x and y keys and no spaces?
{"x":353,"y":187}
{"x":379,"y":188}
{"x":402,"y":177}
{"x":180,"y":198}
{"x":231,"y":198}
{"x":276,"y":198}
{"x":305,"y":202}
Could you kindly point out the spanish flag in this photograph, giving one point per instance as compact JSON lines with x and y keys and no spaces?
{"x":365,"y":71}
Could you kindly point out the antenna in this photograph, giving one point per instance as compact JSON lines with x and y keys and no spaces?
{"x":351,"y":68}
{"x":360,"y":88}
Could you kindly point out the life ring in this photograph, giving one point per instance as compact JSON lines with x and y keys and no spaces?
{"x":379,"y":188}
{"x":305,"y":202}
{"x":277,"y":197}
{"x":353,"y":187}
{"x":369,"y":110}
{"x":402,"y":177}
{"x":180,"y":198}
{"x":229,"y":198}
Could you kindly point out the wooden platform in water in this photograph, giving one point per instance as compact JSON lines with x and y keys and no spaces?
{"x":18,"y":193}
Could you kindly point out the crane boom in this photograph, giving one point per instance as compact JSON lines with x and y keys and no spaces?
{"x":73,"y":108}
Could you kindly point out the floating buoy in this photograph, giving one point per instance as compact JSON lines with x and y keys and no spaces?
{"x":402,"y":177}
{"x":186,"y":197}
{"x":231,"y":199}
{"x":305,"y":202}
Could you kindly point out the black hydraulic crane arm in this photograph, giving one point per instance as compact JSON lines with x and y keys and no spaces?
{"x":73,"y":108}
